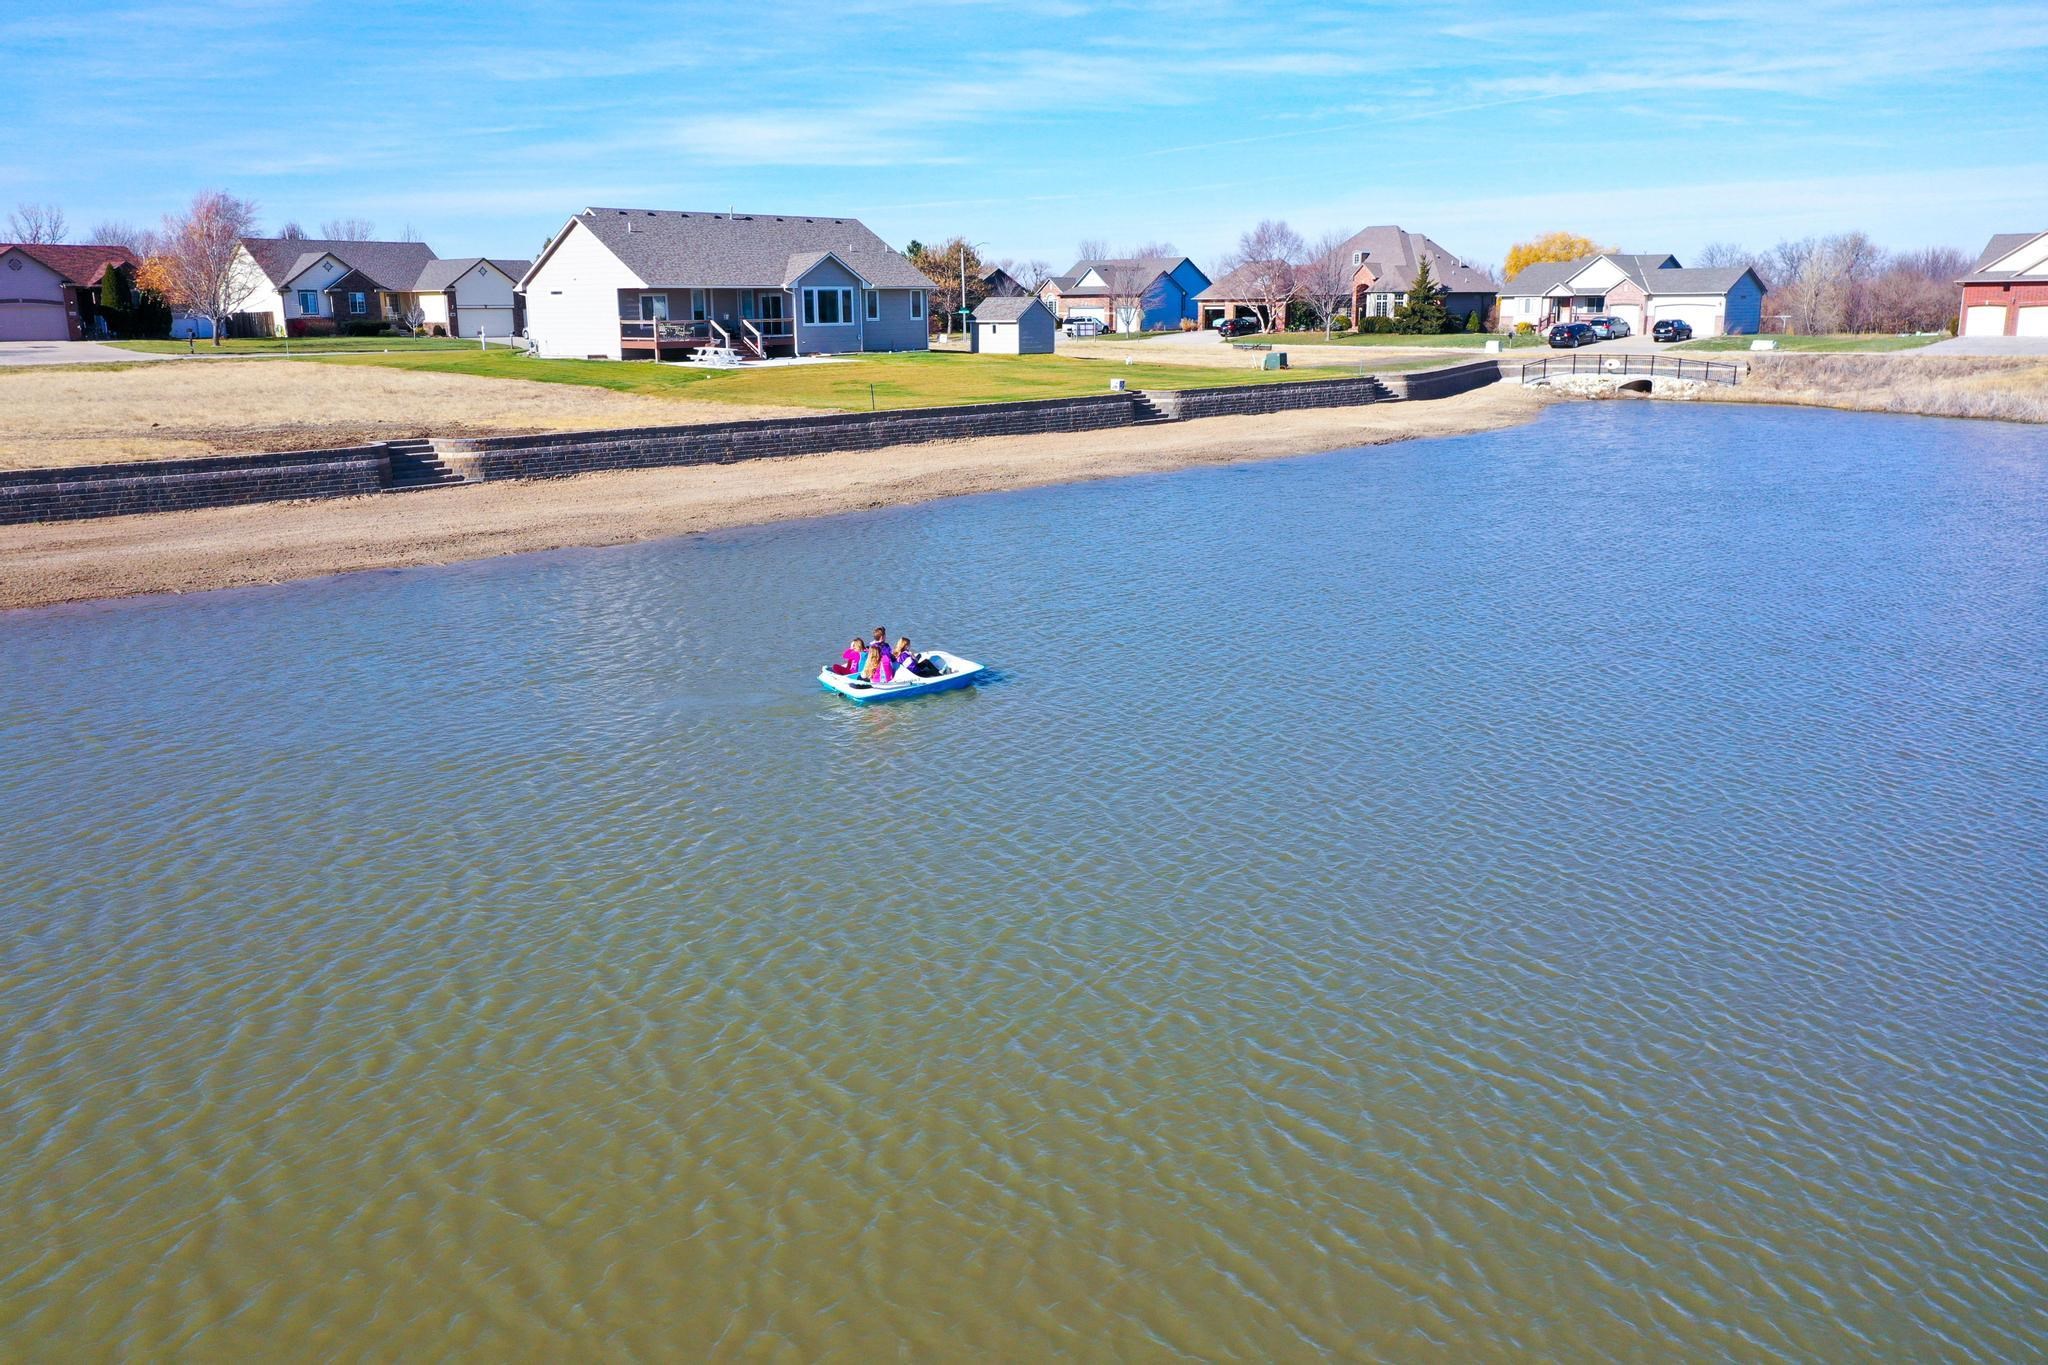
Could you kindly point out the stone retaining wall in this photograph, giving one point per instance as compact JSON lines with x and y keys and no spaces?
{"x":1188,"y":405}
{"x":108,"y":490}
{"x":559,"y":454}
{"x":1444,"y":383}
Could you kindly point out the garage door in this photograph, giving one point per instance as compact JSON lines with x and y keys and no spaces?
{"x":1100,"y":315}
{"x":1630,"y":313}
{"x":1704,"y":317}
{"x":1985,"y":320}
{"x":2033,"y":322}
{"x":33,"y":322}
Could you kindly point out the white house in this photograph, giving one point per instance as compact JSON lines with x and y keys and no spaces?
{"x":1640,"y":290}
{"x":661,"y":283}
{"x":1009,"y":325}
{"x":301,"y":285}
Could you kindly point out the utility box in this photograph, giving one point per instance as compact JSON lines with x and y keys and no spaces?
{"x":1273,"y":360}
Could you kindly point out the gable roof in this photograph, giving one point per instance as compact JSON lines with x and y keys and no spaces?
{"x":440,"y":275}
{"x":1392,"y":254}
{"x":667,"y":247}
{"x":80,"y":265}
{"x":1007,"y":307}
{"x":1997,"y":249}
{"x":1238,"y":284}
{"x":385,"y":265}
{"x":1653,"y":272}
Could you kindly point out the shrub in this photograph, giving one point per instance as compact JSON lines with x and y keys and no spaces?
{"x":1472,"y":321}
{"x":309,"y":327}
{"x":366,"y":329}
{"x":1340,"y":323}
{"x":1524,"y":329}
{"x":1189,"y":325}
{"x":437,"y":330}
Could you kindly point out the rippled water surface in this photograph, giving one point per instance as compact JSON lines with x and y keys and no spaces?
{"x":1575,"y":892}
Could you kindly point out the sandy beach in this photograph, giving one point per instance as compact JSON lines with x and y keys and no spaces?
{"x":42,"y":565}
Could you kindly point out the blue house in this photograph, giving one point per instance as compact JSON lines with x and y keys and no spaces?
{"x":1133,"y":294}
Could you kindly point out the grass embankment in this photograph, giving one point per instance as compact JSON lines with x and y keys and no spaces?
{"x":300,"y":345}
{"x":1839,"y":341}
{"x":2007,"y":388}
{"x":915,"y":379}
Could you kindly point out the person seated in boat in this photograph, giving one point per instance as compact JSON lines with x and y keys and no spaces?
{"x":918,"y":665}
{"x":849,"y":662}
{"x":877,"y":664}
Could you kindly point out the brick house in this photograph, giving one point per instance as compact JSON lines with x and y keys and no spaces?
{"x":2005,"y":294}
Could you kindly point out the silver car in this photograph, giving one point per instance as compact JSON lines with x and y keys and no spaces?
{"x":1607,"y":329}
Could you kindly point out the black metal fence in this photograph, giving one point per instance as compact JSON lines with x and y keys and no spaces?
{"x":1632,"y":366}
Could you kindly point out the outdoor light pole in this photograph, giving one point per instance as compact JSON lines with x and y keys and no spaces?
{"x":964,"y":245}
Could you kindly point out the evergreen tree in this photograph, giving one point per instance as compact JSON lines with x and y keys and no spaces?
{"x":1423,"y":312}
{"x":1472,"y":321}
{"x":115,"y":300}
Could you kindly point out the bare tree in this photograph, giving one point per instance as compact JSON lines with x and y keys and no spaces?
{"x":292,"y":232}
{"x":1721,"y":255}
{"x":198,"y":267}
{"x":409,"y":234}
{"x":1092,"y":249}
{"x":1265,"y":266}
{"x":113,"y":232}
{"x":1129,"y":283}
{"x":1028,"y":274}
{"x":1154,"y":249}
{"x":36,"y":223}
{"x":348,"y":230}
{"x":1324,"y":277}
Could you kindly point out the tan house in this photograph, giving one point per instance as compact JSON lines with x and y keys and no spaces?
{"x":1383,"y":262}
{"x":298,"y":285}
{"x":50,"y":292}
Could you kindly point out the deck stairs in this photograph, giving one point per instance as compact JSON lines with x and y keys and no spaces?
{"x":414,"y":466}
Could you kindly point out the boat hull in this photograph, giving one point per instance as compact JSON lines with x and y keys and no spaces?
{"x":959,"y":673}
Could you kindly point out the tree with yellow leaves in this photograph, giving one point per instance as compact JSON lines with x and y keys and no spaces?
{"x":1551,"y":246}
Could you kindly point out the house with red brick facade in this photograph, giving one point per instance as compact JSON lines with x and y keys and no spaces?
{"x":2006,"y":293}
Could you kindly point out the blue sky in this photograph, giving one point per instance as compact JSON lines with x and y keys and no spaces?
{"x":1030,"y":126}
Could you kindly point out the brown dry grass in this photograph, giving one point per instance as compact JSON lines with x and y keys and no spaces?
{"x":61,"y":415}
{"x":2006,"y":388}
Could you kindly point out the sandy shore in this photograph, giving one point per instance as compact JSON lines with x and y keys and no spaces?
{"x":272,"y":542}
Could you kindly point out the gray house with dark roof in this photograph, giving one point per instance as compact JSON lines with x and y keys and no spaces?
{"x":1641,"y":290}
{"x":1127,"y":294}
{"x":661,"y":284}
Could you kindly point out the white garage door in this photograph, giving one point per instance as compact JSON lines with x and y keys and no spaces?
{"x":1630,"y":313}
{"x":1100,"y":315}
{"x":2033,"y":322}
{"x":1704,"y":317}
{"x":1985,"y":320}
{"x":33,"y":322}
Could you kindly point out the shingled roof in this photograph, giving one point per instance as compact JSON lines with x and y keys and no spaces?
{"x":1656,"y":272}
{"x":395,"y":266}
{"x":1997,"y":249}
{"x":1392,"y":253}
{"x":439,"y":275}
{"x":1005,"y":307}
{"x":80,"y":265}
{"x":668,"y":247}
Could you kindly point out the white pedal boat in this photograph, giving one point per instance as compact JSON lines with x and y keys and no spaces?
{"x":959,"y":673}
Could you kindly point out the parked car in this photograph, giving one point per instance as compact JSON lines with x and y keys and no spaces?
{"x":1237,"y":327}
{"x":1084,"y":327}
{"x":1572,"y":334}
{"x":1671,"y":329}
{"x":1607,"y":329}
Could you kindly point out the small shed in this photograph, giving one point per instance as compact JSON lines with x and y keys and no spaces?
{"x":1006,"y":325}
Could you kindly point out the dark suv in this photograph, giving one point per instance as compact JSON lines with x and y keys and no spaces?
{"x":1237,"y":327}
{"x":1572,"y":334}
{"x":1671,"y":329}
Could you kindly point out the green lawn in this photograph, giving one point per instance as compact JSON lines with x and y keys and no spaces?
{"x":1844,"y":341}
{"x":298,"y":345}
{"x":1461,"y":341}
{"x":916,"y":379}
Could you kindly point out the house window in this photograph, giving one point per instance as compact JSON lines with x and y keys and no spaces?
{"x":1358,"y":258}
{"x":874,"y":302}
{"x":309,"y":301}
{"x":1382,"y":305}
{"x":357,"y":305}
{"x":654,"y":308}
{"x":917,"y":303}
{"x":828,"y":307}
{"x":696,"y":305}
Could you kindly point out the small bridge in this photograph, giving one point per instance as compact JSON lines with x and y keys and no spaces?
{"x":1630,"y":371}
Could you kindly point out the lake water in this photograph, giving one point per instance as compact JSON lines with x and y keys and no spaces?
{"x":1571,"y":892}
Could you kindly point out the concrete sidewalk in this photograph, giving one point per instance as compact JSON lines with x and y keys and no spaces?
{"x":69,"y":353}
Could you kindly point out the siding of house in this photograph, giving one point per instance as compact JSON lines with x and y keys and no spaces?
{"x":572,"y":299}
{"x":34,"y":304}
{"x":896,"y":329}
{"x":815,"y":338}
{"x":1177,"y":298}
{"x":483,"y":302}
{"x":1745,"y":308}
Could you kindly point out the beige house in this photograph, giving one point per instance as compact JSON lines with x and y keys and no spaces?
{"x":1641,"y":290}
{"x":301,"y":286}
{"x":50,"y":292}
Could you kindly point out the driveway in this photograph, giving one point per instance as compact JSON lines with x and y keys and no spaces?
{"x":1988,"y":346}
{"x":68,"y":353}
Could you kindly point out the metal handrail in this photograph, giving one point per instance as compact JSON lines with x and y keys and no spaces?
{"x":1633,"y":365}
